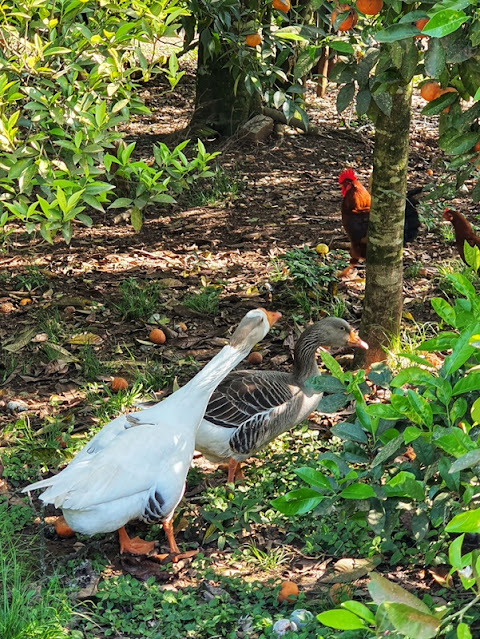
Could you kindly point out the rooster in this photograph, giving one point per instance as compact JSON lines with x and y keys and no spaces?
{"x":355,"y":213}
{"x":463,"y":231}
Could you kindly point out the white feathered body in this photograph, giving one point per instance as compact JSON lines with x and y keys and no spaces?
{"x":136,"y":466}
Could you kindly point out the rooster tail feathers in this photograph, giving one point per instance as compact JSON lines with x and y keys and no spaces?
{"x":413,"y":193}
{"x":348,"y":174}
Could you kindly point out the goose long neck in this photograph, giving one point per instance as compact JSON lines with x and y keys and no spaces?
{"x":305,"y":362}
{"x":217,"y":368}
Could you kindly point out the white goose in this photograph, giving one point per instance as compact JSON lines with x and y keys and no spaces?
{"x":136,"y":466}
{"x":250,"y":408}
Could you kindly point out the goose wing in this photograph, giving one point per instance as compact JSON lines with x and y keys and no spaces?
{"x":135,"y":462}
{"x":255,"y":406}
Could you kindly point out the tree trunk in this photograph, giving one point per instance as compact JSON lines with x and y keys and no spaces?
{"x":218,"y":103}
{"x":382,"y":308}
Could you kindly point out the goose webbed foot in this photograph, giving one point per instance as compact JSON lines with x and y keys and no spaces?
{"x":135,"y":545}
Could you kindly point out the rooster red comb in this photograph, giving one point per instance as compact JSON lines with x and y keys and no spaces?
{"x":349,"y":174}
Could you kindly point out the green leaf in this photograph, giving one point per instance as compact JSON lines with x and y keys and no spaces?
{"x":314,"y":478}
{"x":332,"y":364}
{"x":444,"y":22}
{"x":470,"y":459}
{"x":393,"y":446}
{"x":468,"y":522}
{"x":404,"y":484}
{"x":420,"y":526}
{"x":136,"y":218}
{"x":380,"y":374}
{"x":472,"y":255}
{"x":411,"y":433}
{"x":121,"y":203}
{"x":444,"y":310}
{"x":434,"y":58}
{"x":463,"y":286}
{"x":345,"y":96}
{"x":414,"y":376}
{"x":325,"y":383}
{"x":384,"y":411}
{"x":298,"y":502}
{"x":410,"y":622}
{"x":341,"y":620}
{"x":439,"y":104}
{"x":67,"y":232}
{"x":442,"y":342}
{"x":396,"y":32}
{"x":341,"y":46}
{"x":384,"y":101}
{"x":360,"y":610}
{"x":467,"y":384}
{"x":455,"y":552}
{"x":462,"y":351}
{"x":19,"y":167}
{"x":413,"y":16}
{"x":364,"y":97}
{"x":421,"y":407}
{"x":458,"y":409}
{"x":357,"y":491}
{"x":459,"y":142}
{"x":475,"y":412}
{"x":332,"y":403}
{"x":382,"y":590}
{"x":463,"y":631}
{"x":350,"y":432}
{"x":456,"y":443}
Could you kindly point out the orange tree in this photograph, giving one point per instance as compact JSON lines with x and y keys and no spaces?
{"x":439,"y":41}
{"x":253,"y":51}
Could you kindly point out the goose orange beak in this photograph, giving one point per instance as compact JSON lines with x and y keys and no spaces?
{"x":272,"y":316}
{"x":354,"y":340}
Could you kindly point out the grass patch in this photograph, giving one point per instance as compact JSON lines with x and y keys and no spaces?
{"x":205,"y":302}
{"x":138,"y":301}
{"x":27,"y":610}
{"x":31,"y":279}
{"x":224,"y":184}
{"x":307,"y":282}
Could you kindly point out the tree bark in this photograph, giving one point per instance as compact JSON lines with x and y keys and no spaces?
{"x":218,"y":103}
{"x":383,"y":302}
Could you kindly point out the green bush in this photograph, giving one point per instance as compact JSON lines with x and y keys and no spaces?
{"x":412,"y":462}
{"x":69,"y":76}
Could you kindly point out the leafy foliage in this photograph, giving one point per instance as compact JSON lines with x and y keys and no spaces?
{"x":450,"y":57}
{"x":68,"y":81}
{"x":310,"y":281}
{"x":415,"y":456}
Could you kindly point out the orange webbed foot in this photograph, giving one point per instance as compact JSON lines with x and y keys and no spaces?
{"x":135,"y":545}
{"x":62,"y":528}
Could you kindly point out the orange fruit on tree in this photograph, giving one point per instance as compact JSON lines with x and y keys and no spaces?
{"x":157,"y":336}
{"x":476,"y":148}
{"x":118,"y":384}
{"x":430,"y":90}
{"x":370,"y":7}
{"x":350,"y":20}
{"x":253,"y":39}
{"x":420,"y":24}
{"x":288,"y":591}
{"x":281,"y":5}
